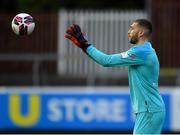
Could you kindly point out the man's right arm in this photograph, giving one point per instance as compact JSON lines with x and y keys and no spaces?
{"x":128,"y":58}
{"x":121,"y":59}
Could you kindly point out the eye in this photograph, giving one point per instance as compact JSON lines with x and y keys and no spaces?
{"x":131,"y":28}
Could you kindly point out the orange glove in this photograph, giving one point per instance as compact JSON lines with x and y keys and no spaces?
{"x":75,"y":35}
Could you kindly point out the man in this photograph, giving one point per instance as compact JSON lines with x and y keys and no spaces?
{"x":143,"y":73}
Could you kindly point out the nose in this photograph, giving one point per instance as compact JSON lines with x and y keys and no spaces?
{"x":128,"y":31}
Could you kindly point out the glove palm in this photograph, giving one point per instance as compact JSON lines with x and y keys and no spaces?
{"x":75,"y":35}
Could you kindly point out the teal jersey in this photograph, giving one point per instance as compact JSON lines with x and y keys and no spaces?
{"x":143,"y":73}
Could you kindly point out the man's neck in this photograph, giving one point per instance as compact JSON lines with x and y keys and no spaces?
{"x":142,"y":41}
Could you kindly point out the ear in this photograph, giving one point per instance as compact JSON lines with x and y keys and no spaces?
{"x":141,"y":33}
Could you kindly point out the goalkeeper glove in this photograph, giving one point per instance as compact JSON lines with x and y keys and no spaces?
{"x":75,"y":35}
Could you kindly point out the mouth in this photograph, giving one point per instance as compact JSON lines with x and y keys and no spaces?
{"x":129,"y":37}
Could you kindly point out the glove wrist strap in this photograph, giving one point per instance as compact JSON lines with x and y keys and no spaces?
{"x":85,"y":46}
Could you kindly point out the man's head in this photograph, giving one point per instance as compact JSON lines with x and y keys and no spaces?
{"x":140,"y":30}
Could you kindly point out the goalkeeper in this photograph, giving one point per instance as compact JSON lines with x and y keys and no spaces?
{"x":143,"y":73}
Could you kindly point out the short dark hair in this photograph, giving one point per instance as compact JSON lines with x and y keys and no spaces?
{"x":146,"y":24}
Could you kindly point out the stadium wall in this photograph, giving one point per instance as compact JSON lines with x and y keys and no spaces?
{"x":165,"y":18}
{"x":66,"y":109}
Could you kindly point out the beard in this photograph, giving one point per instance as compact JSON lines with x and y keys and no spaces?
{"x":134,"y":40}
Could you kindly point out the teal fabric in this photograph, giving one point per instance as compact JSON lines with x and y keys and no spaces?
{"x":143,"y":73}
{"x":149,"y":123}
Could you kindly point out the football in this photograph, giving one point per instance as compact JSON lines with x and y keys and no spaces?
{"x":23,"y":24}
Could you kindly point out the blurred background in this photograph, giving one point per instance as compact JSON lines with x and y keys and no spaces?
{"x":48,"y":85}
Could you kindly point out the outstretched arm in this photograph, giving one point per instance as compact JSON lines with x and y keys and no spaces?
{"x":121,"y":59}
{"x":75,"y":35}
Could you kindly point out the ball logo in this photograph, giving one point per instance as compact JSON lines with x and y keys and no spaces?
{"x":15,"y":110}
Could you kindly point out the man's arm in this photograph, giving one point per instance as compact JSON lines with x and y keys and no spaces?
{"x":75,"y":35}
{"x":122,"y":59}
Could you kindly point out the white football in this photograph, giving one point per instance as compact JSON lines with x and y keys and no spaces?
{"x":23,"y":24}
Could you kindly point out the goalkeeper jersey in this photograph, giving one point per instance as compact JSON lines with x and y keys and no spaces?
{"x":143,"y":73}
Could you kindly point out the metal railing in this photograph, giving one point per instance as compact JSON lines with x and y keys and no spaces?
{"x":40,"y":55}
{"x":107,"y":30}
{"x":36,"y":60}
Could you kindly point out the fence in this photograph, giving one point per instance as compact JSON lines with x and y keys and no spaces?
{"x":166,"y":19}
{"x":107,"y":30}
{"x":22,"y":58}
{"x":36,"y":59}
